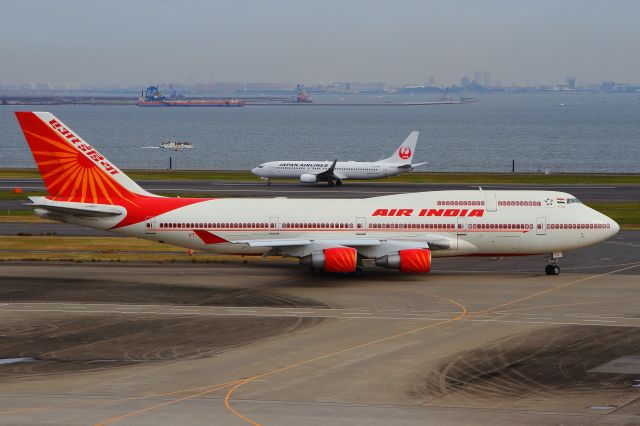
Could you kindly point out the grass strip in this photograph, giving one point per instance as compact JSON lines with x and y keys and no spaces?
{"x":124,"y":249}
{"x":414,"y":177}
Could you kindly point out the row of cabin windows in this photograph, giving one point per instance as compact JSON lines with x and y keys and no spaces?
{"x":578,"y":226}
{"x":180,"y":225}
{"x":263,"y":225}
{"x":414,"y":226}
{"x":319,"y":225}
{"x":461,"y":203}
{"x":520,"y":203}
{"x":501,"y":226}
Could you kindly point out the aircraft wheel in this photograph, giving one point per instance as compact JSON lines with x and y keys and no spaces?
{"x":268,"y":183}
{"x":339,"y":182}
{"x":330,"y":183}
{"x":552,"y":270}
{"x":316,"y":272}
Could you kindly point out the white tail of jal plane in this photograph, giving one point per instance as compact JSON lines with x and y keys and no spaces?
{"x":404,"y":153}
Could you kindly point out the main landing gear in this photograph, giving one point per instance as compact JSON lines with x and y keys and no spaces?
{"x":338,"y":182}
{"x":553,"y":268}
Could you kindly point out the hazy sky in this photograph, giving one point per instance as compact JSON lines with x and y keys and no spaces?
{"x":399,"y":41}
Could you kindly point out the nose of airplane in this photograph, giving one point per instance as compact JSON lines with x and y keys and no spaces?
{"x":615,"y":228}
{"x":255,"y":171}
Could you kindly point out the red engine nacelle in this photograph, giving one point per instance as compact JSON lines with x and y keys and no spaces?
{"x":336,"y":259}
{"x":409,"y":260}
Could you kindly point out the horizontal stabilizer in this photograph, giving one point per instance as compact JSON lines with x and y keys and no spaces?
{"x":85,"y":211}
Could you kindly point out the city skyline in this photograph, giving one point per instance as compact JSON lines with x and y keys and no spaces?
{"x":408,"y":42}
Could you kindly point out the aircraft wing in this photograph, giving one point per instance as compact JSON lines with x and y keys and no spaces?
{"x":369,"y":247}
{"x":303,"y":242}
{"x":328,"y":174}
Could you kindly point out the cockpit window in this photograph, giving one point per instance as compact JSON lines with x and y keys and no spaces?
{"x":573,"y":201}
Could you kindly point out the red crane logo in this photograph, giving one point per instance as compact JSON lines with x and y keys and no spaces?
{"x":404,"y":153}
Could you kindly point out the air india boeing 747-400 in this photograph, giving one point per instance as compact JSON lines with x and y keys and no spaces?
{"x":334,"y":235}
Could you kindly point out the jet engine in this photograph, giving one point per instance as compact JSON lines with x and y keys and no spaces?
{"x":409,"y":260}
{"x":308,"y":178}
{"x":336,"y":259}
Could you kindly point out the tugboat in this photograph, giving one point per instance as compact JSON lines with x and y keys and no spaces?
{"x":176,"y":146}
{"x":302,"y":97}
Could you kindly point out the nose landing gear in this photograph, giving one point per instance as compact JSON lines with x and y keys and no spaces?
{"x":553,"y":268}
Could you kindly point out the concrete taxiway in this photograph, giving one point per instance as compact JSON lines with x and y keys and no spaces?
{"x":477,"y":341}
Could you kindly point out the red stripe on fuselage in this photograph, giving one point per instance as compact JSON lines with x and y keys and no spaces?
{"x":145,"y":207}
{"x":209,"y":238}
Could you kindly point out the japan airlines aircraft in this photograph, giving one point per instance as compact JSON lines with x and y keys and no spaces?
{"x":395,"y":231}
{"x":337,"y":171}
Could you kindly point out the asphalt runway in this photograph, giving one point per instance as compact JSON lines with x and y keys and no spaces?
{"x":477,"y":341}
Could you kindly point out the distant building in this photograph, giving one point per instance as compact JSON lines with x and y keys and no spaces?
{"x":221,"y":87}
{"x":431,"y":81}
{"x":477,"y":77}
{"x":571,"y":82}
{"x":271,"y":87}
{"x":464,"y":81}
{"x":486,"y":79}
{"x":374,"y":87}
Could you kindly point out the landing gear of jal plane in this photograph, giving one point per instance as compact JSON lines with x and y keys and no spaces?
{"x":330,"y":183}
{"x":267,"y":181}
{"x":339,"y":182}
{"x":553,"y":268}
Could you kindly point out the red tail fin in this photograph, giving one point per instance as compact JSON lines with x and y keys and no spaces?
{"x":72,"y":169}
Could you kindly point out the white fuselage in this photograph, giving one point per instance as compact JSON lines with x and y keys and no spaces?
{"x":343,"y":169}
{"x":453,"y":223}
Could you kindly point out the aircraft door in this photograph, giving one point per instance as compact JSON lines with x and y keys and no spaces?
{"x":273,"y":225}
{"x":541,"y":226}
{"x":361,"y":226}
{"x":149,"y":225}
{"x":492,"y":202}
{"x":462,"y":226}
